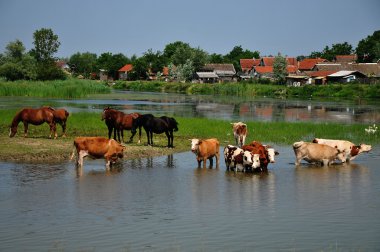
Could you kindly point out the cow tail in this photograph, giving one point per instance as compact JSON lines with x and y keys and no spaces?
{"x":296,"y":145}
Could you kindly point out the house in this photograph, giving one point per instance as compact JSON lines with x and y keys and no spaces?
{"x":345,"y":76}
{"x":206,"y":77}
{"x":123,"y":72}
{"x":247,"y":65}
{"x":328,"y":66}
{"x":346,"y":58}
{"x":225,"y":72}
{"x":263,"y":71}
{"x":320,"y":77}
{"x":297,"y":80}
{"x":307,"y":65}
{"x":267,"y":61}
{"x":103,"y":74}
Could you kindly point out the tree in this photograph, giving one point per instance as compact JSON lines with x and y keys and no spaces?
{"x":171,"y":48}
{"x":238,"y":53}
{"x":45,"y":45}
{"x":330,"y":53}
{"x":198,"y":58}
{"x":368,"y":49}
{"x":184,"y":72}
{"x":112,"y":63}
{"x":279,"y":68}
{"x":83,"y":63}
{"x":155,"y":60}
{"x":16,"y":64}
{"x":140,"y":69}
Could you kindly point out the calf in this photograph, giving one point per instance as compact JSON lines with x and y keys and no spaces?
{"x":240,"y":133}
{"x":313,"y":152}
{"x":351,"y":150}
{"x":97,"y":147}
{"x":205,"y":149}
{"x":239,"y":160}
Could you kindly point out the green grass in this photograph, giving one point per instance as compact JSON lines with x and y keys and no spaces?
{"x":72,"y":88}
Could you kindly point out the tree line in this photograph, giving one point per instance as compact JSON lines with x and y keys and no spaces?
{"x":183,"y":60}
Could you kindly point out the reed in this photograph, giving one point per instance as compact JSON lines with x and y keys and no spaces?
{"x":72,"y":88}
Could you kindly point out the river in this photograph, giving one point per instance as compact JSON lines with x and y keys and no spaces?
{"x":168,"y":204}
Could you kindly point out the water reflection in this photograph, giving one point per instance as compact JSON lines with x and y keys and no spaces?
{"x":24,"y":174}
{"x":222,"y":107}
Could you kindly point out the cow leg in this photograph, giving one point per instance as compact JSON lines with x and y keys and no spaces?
{"x":25,"y":129}
{"x":82,"y":154}
{"x":199,"y":162}
{"x":108,"y":164}
{"x":217,"y":157}
{"x":211,"y":162}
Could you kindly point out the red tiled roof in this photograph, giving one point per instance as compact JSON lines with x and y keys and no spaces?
{"x":248,"y":64}
{"x":268,"y":61}
{"x":308,"y":64}
{"x":346,"y":58}
{"x":126,"y":68}
{"x":291,"y":61}
{"x":291,"y":68}
{"x":321,"y":73}
{"x":264,"y":69}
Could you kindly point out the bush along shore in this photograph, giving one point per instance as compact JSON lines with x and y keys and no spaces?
{"x":39,"y":148}
{"x":343,"y":91}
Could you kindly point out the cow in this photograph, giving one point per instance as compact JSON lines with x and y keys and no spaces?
{"x":205,"y":149}
{"x":240,"y":131}
{"x":317,"y":153}
{"x":351,"y":150}
{"x":266,"y":154}
{"x":97,"y":147}
{"x":239,"y":160}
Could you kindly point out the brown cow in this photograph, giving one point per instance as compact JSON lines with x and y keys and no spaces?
{"x":206,"y":149}
{"x":240,"y":133}
{"x":97,"y":147}
{"x":351,"y":150}
{"x":317,"y":153}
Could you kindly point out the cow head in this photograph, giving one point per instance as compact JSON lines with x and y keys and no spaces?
{"x":271,"y":154}
{"x":365,"y":148}
{"x":341,"y":155}
{"x":315,"y":140}
{"x":195,"y":144}
{"x":255,"y":161}
{"x":247,"y":159}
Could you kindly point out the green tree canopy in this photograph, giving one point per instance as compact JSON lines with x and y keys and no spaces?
{"x":83,"y":63}
{"x":368,"y":49}
{"x":46,"y":44}
{"x":279,"y":68}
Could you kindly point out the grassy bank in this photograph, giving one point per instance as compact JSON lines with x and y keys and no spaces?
{"x":346,"y":91}
{"x":72,"y":88}
{"x":37,"y":147}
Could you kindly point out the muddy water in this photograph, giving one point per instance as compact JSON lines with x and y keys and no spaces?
{"x":167,"y":203}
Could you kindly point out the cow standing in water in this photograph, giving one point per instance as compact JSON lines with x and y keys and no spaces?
{"x":206,"y":149}
{"x":351,"y":150}
{"x":317,"y":153}
{"x":240,"y":131}
{"x":97,"y":147}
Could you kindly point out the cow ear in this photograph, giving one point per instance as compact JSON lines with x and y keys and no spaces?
{"x":276,"y":153}
{"x":200,"y":141}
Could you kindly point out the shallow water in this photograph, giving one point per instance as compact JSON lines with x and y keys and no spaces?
{"x":167,"y":203}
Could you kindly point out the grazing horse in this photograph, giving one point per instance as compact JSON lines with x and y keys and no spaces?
{"x":158,"y":125}
{"x":60,"y":117}
{"x":118,"y":121}
{"x":35,"y":117}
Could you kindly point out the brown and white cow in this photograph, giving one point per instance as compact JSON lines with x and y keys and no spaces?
{"x":240,"y":131}
{"x":205,"y":149}
{"x":316,"y":153}
{"x":351,"y":150}
{"x":266,"y":153}
{"x":239,"y":160}
{"x":97,"y":147}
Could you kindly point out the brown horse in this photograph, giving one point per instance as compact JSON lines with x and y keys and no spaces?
{"x":35,"y":117}
{"x":60,"y":117}
{"x":118,"y":121}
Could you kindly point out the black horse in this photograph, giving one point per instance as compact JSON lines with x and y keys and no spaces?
{"x":158,"y":125}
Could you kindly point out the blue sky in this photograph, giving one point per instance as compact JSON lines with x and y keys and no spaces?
{"x":293,"y":27}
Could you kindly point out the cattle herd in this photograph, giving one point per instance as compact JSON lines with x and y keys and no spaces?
{"x":252,"y":157}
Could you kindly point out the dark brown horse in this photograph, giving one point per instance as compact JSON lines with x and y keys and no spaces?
{"x":118,"y":121}
{"x":60,"y":117}
{"x":35,"y":117}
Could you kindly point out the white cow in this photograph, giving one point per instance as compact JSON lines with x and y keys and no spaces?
{"x":351,"y":150}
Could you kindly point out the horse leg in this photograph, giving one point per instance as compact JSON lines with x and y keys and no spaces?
{"x":151,"y":138}
{"x":25,"y":129}
{"x":131,"y":138}
{"x":53,"y":130}
{"x":63,"y":129}
{"x":139,"y":134}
